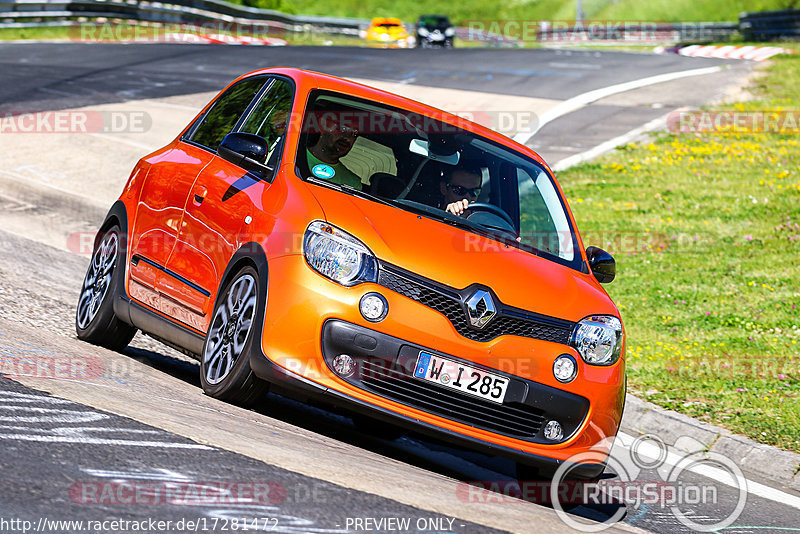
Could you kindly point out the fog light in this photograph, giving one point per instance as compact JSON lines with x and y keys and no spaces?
{"x":565,"y":368}
{"x":373,"y":307}
{"x":344,"y":365}
{"x":552,"y":431}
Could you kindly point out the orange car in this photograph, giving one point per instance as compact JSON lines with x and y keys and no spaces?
{"x":366,"y":250}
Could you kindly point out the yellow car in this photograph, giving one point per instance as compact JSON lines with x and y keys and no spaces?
{"x":388,"y":32}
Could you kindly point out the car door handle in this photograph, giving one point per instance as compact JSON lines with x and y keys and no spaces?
{"x":199,"y":195}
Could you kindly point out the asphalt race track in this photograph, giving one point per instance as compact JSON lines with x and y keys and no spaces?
{"x":134,"y":438}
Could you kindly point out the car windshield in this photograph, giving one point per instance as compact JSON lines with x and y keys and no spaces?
{"x":427,"y":165}
{"x":436,"y":22}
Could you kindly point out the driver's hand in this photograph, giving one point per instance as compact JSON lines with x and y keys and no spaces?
{"x":457,"y":208}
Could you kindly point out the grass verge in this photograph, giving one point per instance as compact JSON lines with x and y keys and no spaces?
{"x":463,"y":11}
{"x":705,"y":228}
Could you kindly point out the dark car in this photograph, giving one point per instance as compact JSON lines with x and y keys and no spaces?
{"x":435,"y":30}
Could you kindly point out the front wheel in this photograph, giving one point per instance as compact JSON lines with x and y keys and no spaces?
{"x":95,"y":321}
{"x":225,"y":371}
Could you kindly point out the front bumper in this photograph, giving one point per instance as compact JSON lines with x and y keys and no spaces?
{"x":386,"y":367}
{"x":302,"y":304}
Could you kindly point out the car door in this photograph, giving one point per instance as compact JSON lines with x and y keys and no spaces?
{"x":169,"y":182}
{"x":158,"y":215}
{"x":220,"y":206}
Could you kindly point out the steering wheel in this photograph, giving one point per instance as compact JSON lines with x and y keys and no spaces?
{"x":494,"y":210}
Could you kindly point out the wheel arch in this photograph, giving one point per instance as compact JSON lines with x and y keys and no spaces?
{"x":118,"y":214}
{"x":251,"y":254}
{"x":240,"y":384}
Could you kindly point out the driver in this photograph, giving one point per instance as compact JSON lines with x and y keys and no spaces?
{"x":459,"y":187}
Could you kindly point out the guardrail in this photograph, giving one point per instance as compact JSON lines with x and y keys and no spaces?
{"x":172,"y":11}
{"x":770,"y":25}
{"x":762,"y":26}
{"x":23,"y":13}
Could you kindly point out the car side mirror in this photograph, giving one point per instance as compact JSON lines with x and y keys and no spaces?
{"x":603,"y":266}
{"x":248,"y":151}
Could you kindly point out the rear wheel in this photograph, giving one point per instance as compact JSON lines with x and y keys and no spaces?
{"x":95,"y":321}
{"x":225,"y":371}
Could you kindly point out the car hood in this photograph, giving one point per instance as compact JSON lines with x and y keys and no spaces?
{"x":459,"y":258}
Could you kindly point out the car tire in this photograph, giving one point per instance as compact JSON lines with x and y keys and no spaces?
{"x":95,"y":320}
{"x":225,"y":371}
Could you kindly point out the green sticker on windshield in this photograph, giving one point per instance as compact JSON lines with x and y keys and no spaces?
{"x":323,"y":171}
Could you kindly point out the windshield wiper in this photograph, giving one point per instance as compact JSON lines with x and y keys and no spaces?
{"x":344,"y":188}
{"x":369,"y":196}
{"x":458,"y":222}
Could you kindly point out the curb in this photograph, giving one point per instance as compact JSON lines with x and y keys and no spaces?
{"x":755,"y":459}
{"x":751,"y":53}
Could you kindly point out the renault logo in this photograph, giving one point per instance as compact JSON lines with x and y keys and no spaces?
{"x":481,"y":308}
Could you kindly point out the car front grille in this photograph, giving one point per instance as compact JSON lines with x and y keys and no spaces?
{"x":449,"y":302}
{"x":520,"y":421}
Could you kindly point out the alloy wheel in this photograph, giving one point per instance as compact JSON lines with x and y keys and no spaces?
{"x":230,"y":329}
{"x":98,"y":279}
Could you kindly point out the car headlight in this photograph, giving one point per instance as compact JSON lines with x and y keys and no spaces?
{"x":423,"y":32}
{"x":450,"y":32}
{"x":598,"y":339}
{"x":337,"y":255}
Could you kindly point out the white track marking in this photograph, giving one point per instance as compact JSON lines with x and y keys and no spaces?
{"x":165,"y":475}
{"x":719,"y":475}
{"x":101,"y":441}
{"x":583,"y":99}
{"x":609,"y":145}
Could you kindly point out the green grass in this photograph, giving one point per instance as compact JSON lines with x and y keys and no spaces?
{"x":35,"y":33}
{"x":706,"y":232}
{"x":466,"y":10}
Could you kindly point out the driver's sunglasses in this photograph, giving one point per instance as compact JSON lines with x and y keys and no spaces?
{"x":348,"y":131}
{"x":460,"y":190}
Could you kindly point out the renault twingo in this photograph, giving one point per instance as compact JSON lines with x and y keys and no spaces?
{"x":372,"y":252}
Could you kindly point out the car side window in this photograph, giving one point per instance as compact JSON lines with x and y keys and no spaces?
{"x":270,"y":115}
{"x":220,"y":120}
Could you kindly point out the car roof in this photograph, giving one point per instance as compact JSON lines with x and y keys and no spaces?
{"x":385,"y":20}
{"x":318,"y":80}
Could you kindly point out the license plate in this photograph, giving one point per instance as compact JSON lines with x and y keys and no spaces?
{"x":454,"y":375}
